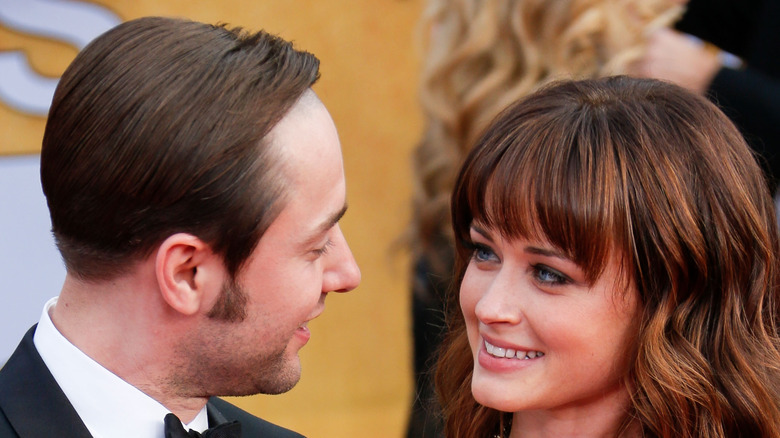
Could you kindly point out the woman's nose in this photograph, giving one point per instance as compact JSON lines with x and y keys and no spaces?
{"x":500,"y":302}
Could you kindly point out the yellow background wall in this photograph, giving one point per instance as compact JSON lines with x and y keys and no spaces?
{"x":356,"y":368}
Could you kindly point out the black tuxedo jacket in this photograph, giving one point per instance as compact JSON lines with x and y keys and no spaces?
{"x":32,"y":405}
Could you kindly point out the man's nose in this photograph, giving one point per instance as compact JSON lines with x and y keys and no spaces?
{"x":343,"y":273}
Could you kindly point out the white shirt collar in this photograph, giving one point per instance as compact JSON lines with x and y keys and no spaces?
{"x":108,"y":406}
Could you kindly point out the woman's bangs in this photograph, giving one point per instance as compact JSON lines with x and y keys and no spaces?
{"x":553,"y":189}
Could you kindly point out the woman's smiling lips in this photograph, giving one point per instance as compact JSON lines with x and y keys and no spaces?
{"x":497,"y":356}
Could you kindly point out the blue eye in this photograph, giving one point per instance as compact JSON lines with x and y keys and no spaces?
{"x":548,"y":276}
{"x":482,"y":253}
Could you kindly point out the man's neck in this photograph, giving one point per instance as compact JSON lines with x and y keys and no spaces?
{"x":122,"y":325}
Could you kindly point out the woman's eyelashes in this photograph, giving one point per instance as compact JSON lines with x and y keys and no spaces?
{"x":481,"y":253}
{"x":548,"y":276}
{"x":542,"y":273}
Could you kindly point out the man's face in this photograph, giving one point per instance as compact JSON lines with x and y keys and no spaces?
{"x":301,"y":257}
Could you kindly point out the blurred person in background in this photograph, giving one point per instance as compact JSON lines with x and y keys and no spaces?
{"x":729,"y":51}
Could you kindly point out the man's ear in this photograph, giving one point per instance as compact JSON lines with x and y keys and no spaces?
{"x":188,"y":272}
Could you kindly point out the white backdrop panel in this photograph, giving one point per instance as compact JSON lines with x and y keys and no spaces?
{"x":31,"y":270}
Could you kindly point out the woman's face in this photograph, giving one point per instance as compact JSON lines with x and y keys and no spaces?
{"x":542,"y":337}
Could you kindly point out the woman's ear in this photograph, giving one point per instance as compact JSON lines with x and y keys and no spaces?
{"x":187,"y":272}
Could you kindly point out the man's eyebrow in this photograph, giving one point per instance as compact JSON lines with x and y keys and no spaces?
{"x":326,"y":225}
{"x":333,"y":219}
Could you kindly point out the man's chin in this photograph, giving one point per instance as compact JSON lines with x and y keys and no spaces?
{"x":275,"y":375}
{"x":282,"y":380}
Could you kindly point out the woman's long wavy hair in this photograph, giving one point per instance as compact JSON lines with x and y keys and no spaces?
{"x":482,"y":55}
{"x":663,"y":177}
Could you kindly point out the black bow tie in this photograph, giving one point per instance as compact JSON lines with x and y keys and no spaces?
{"x":174,"y":429}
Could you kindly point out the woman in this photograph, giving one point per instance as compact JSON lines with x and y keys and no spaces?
{"x":617,"y":257}
{"x":480,"y":56}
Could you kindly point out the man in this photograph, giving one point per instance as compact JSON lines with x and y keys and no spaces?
{"x":195,"y":184}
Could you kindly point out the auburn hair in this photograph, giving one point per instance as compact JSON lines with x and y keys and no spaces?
{"x":664,"y":177}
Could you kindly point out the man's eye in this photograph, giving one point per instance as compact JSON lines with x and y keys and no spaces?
{"x":324,"y":249}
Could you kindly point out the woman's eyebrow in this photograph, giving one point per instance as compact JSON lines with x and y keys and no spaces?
{"x":545,"y":252}
{"x":481,"y":231}
{"x":529,"y":249}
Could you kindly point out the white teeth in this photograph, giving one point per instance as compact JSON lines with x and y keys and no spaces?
{"x":533,"y":354}
{"x":510,"y":353}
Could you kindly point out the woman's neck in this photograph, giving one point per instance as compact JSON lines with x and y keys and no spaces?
{"x":603,"y":418}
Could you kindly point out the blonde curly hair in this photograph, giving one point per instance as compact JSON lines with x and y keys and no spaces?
{"x":482,"y":55}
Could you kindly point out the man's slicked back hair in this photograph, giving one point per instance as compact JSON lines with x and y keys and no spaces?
{"x":159,"y":126}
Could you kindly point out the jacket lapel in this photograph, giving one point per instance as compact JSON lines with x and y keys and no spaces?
{"x":32,"y":400}
{"x":214,"y":414}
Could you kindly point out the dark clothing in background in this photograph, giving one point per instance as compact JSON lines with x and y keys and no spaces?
{"x":750,"y":96}
{"x":428,"y":325}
